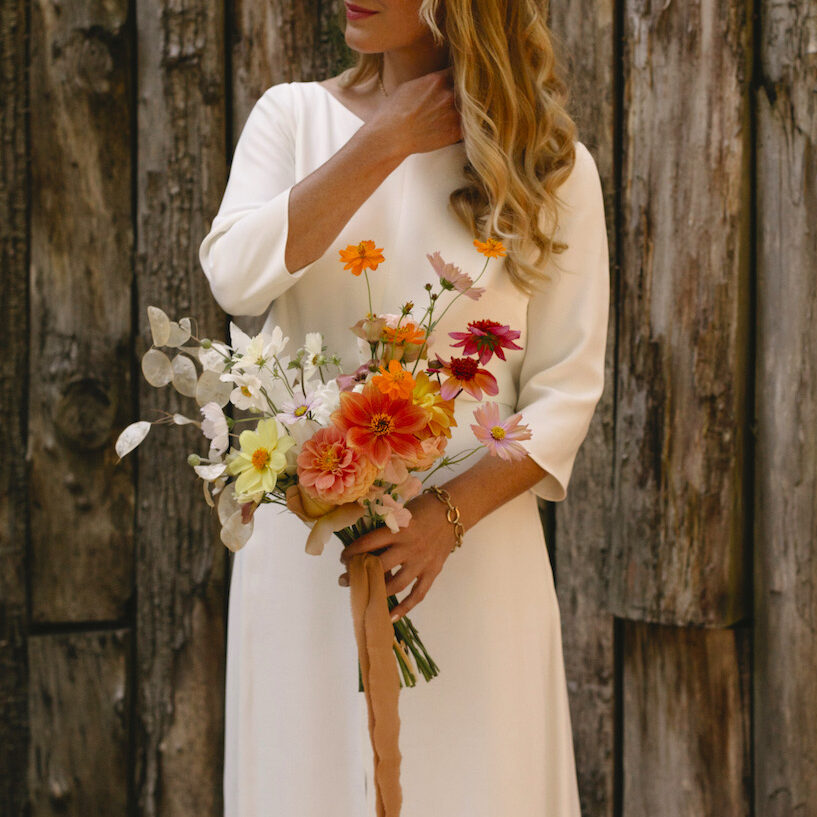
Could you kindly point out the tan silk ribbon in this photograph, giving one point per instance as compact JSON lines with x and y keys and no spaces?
{"x":374,"y":633}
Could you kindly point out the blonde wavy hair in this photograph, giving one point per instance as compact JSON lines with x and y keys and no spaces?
{"x":517,"y":133}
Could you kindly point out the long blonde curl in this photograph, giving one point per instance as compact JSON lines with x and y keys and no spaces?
{"x":518,"y":136}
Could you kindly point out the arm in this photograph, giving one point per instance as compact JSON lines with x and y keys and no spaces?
{"x":561,"y":381}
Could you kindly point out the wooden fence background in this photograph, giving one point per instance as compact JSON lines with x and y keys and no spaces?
{"x":685,"y":556}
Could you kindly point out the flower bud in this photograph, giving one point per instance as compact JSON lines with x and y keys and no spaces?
{"x":205,"y":343}
{"x":194,"y":460}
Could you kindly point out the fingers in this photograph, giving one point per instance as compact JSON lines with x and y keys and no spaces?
{"x":399,"y":581}
{"x":373,"y":540}
{"x":418,"y":593}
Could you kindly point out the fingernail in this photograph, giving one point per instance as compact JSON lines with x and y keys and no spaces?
{"x":343,"y":581}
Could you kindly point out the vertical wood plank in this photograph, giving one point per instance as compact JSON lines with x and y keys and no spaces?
{"x":583,"y":520}
{"x":14,"y":192}
{"x":180,"y":560}
{"x":687,"y":750}
{"x":79,"y":703}
{"x":785,"y":563}
{"x":679,"y":528}
{"x":82,"y":501}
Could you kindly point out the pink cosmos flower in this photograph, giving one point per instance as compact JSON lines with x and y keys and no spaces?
{"x":486,"y":338}
{"x":464,"y":373}
{"x":500,"y":438}
{"x":331,"y":471}
{"x":453,"y":277}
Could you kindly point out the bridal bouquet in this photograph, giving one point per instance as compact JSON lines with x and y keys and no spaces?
{"x":342,"y":450}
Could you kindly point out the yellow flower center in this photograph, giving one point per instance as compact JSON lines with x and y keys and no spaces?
{"x":246,"y":392}
{"x":381,"y":424}
{"x":328,"y":459}
{"x":300,"y":411}
{"x":260,"y":458}
{"x":361,"y":248}
{"x":498,"y":433}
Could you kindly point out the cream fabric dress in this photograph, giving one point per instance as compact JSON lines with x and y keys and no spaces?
{"x":491,"y":736}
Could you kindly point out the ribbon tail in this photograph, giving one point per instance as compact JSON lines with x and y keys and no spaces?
{"x":374,"y":634}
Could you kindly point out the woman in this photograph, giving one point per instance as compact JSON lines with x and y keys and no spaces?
{"x":450,"y":128}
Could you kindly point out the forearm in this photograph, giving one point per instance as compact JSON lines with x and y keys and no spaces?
{"x":490,"y":483}
{"x":322,"y":203}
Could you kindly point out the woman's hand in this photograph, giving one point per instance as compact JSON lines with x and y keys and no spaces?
{"x":421,"y":549}
{"x":420,"y":114}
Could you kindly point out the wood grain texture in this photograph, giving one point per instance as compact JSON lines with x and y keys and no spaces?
{"x":79,"y":703}
{"x":583,"y":519}
{"x":81,"y":240}
{"x":785,"y":563}
{"x":14,"y":193}
{"x":180,"y":560}
{"x":687,"y":749}
{"x":679,"y":527}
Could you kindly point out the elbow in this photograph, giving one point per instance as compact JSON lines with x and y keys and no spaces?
{"x":228,"y":292}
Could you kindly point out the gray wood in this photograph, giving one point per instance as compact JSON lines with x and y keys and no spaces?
{"x":785,"y":562}
{"x":81,"y":240}
{"x":679,"y":527}
{"x":687,"y":745}
{"x":80,"y":704}
{"x":179,"y":558}
{"x":14,"y":190}
{"x":583,"y":519}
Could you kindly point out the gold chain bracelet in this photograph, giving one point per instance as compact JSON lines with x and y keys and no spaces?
{"x":452,"y":514}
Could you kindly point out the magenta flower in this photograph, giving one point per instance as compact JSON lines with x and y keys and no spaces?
{"x":464,"y":374}
{"x":486,"y":338}
{"x":500,"y":438}
{"x":452,"y":277}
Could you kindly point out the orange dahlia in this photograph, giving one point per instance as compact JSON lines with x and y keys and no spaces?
{"x":358,"y":257}
{"x":440,"y":412}
{"x":380,"y":425}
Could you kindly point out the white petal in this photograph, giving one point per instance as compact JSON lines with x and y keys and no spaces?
{"x":131,"y":436}
{"x":239,"y":340}
{"x":181,"y":420}
{"x":185,"y":375}
{"x":156,"y":368}
{"x":227,"y":504}
{"x":210,"y":472}
{"x":159,"y":325}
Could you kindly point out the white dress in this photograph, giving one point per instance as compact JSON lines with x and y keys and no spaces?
{"x":491,"y":736}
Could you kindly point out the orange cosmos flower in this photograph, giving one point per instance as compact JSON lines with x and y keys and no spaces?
{"x":406,"y":333}
{"x":492,"y":248}
{"x":379,"y":425}
{"x":395,"y":381}
{"x":357,"y":257}
{"x":440,"y":412}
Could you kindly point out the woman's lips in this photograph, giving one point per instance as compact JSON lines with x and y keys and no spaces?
{"x":354,"y":12}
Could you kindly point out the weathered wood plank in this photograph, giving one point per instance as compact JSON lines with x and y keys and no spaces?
{"x":80,"y":397}
{"x":14,"y":192}
{"x":785,"y":563}
{"x":679,"y":527}
{"x":583,"y":520}
{"x":686,"y":740}
{"x":180,"y":560}
{"x":80,"y":704}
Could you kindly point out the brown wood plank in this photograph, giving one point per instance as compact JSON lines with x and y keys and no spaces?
{"x":583,"y":520}
{"x":82,"y":501}
{"x":14,"y":192}
{"x":679,"y":527}
{"x":180,"y":560}
{"x":785,"y":563}
{"x":687,"y":749}
{"x":80,"y":705}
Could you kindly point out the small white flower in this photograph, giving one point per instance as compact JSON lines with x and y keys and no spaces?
{"x":247,"y":394}
{"x":325,"y":400}
{"x":261,"y":351}
{"x":214,"y":427}
{"x":313,"y":354}
{"x":296,"y":409}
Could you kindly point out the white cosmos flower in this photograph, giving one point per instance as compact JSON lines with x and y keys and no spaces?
{"x":247,"y":393}
{"x":214,"y":427}
{"x":261,"y":351}
{"x":313,"y":346}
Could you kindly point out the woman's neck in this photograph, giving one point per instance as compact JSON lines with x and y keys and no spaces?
{"x":403,"y":64}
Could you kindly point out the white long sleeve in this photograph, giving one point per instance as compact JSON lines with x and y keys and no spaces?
{"x":243,"y":254}
{"x":562,"y":375}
